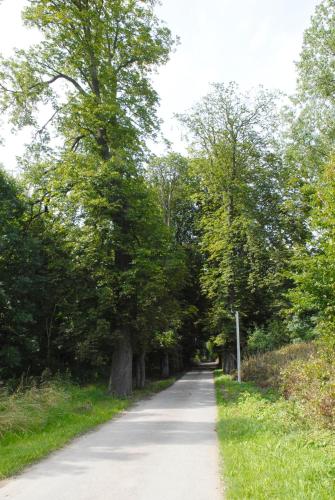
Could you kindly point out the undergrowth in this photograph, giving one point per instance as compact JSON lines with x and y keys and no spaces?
{"x":268,"y":451}
{"x":303,"y":373}
{"x":265,"y":368}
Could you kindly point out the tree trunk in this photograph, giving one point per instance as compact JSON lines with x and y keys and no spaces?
{"x":229,"y":362}
{"x":165,"y":365}
{"x":120,"y":383}
{"x":175,"y":363}
{"x":140,"y":370}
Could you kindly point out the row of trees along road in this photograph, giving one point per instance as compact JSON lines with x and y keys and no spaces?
{"x":112,"y":259}
{"x":110,"y":275}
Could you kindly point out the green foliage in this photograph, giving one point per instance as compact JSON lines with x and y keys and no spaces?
{"x":239,"y":185}
{"x":21,"y":278}
{"x":301,"y":328}
{"x":267,"y":451}
{"x":103,"y":53}
{"x":314,"y":267}
{"x":104,"y":245}
{"x":174,"y":186}
{"x":268,"y":337}
{"x":166,"y":340}
{"x":317,"y":66}
{"x":110,"y":268}
{"x":277,"y":333}
{"x":310,"y":154}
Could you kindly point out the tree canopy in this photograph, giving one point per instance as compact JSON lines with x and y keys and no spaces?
{"x":115,"y":261}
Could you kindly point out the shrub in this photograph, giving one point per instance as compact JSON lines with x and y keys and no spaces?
{"x":311,"y":385}
{"x":301,"y":328}
{"x":265,"y":368}
{"x":269,"y":337}
{"x":303,"y":374}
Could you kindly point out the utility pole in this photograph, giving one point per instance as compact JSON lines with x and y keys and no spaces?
{"x":237,"y":316}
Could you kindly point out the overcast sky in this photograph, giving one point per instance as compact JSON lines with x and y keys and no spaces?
{"x":250,"y":41}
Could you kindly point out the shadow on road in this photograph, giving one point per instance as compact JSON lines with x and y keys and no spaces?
{"x":179,"y":415}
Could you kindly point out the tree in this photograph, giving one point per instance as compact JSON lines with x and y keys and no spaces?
{"x":12,"y":324}
{"x":310,"y":140}
{"x":238,"y":166}
{"x":170,"y":180}
{"x":93,"y":68}
{"x":314,"y":270}
{"x":310,"y":154}
{"x":317,"y":62}
{"x":21,"y":280}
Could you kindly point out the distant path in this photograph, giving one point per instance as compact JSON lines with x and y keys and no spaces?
{"x":164,"y":448}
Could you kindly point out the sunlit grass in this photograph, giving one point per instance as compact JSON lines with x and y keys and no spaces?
{"x":267,"y":451}
{"x":37,"y":421}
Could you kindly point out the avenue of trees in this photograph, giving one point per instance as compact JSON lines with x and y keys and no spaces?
{"x":113,"y":261}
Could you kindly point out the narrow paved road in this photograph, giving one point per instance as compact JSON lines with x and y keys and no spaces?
{"x":164,"y":448}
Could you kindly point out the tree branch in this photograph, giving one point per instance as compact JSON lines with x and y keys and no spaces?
{"x":71,"y":80}
{"x":76,"y":142}
{"x":39,"y":132}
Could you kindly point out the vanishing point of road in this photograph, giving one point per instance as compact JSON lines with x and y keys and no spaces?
{"x":163,"y":448}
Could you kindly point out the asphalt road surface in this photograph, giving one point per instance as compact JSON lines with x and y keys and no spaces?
{"x":163,"y":448}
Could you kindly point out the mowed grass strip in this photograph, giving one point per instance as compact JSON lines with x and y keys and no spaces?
{"x":40,"y":420}
{"x":268,"y":451}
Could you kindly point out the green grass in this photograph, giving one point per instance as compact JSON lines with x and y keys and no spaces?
{"x":38,"y":421}
{"x":268,"y":451}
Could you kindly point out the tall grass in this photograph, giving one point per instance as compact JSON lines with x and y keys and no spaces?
{"x":311,"y":386}
{"x":27,"y":410}
{"x":303,"y":374}
{"x":265,"y":369}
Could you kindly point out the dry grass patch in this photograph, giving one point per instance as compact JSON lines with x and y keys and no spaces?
{"x":265,"y":368}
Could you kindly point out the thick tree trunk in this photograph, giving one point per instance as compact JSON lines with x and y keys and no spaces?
{"x":140,"y":370}
{"x":228,"y":362}
{"x":120,"y":383}
{"x":165,"y":365}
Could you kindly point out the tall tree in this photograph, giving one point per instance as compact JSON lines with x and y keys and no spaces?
{"x":311,"y":125}
{"x":240,"y":174}
{"x":169,"y":176}
{"x":312,"y":151}
{"x":93,"y":68}
{"x":317,"y":61}
{"x":314,"y":270}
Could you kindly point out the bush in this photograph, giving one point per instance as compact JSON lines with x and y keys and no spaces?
{"x":311,"y":385}
{"x":265,"y":368}
{"x":267,"y":338}
{"x":303,"y":374}
{"x":301,"y":328}
{"x":277,"y":333}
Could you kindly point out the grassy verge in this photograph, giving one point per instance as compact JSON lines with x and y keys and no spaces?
{"x":39,"y":421}
{"x":268,"y":451}
{"x":303,"y":373}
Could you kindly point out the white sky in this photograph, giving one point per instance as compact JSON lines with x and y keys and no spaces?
{"x":250,"y":41}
